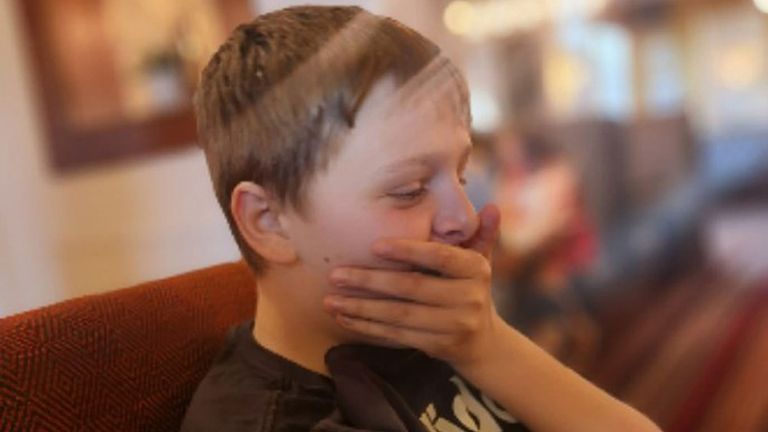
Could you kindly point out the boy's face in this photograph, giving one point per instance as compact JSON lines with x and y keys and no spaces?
{"x":398,"y":173}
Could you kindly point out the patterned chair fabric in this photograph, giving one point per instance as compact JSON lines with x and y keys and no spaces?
{"x":127,"y":360}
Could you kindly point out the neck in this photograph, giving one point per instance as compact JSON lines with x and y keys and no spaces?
{"x":291,"y":322}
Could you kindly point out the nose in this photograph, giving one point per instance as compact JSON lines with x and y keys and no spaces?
{"x":455,"y":219}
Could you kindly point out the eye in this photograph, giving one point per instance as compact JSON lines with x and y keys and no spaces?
{"x":409,"y":194}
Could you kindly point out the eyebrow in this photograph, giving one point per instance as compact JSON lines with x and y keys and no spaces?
{"x":426,"y":159}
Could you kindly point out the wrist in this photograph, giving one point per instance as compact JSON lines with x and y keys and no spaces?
{"x":497,"y":348}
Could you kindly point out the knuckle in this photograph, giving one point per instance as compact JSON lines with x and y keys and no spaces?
{"x":476,"y":302}
{"x":469,"y":324}
{"x":485,"y":270}
{"x":463,"y":324}
{"x":413,"y":283}
{"x":444,"y":258}
{"x":403,"y":286}
{"x":400,"y":313}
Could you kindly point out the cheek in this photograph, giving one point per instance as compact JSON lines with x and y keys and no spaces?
{"x":349,"y":235}
{"x":412,"y":223}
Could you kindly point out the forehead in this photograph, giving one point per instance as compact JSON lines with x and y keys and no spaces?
{"x":435,"y":97}
{"x":438,"y":86}
{"x":401,"y":122}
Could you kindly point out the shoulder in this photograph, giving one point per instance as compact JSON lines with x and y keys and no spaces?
{"x":231,"y":396}
{"x":250,"y":389}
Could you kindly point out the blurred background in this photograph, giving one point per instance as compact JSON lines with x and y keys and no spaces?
{"x":625,"y":141}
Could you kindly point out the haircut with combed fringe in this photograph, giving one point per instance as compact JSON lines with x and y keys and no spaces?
{"x":276,"y":96}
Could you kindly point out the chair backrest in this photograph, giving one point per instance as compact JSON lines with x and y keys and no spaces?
{"x":127,"y":360}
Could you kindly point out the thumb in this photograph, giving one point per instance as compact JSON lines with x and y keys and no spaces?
{"x":487,"y":234}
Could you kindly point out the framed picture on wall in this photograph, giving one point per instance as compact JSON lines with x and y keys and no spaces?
{"x":115,"y":78}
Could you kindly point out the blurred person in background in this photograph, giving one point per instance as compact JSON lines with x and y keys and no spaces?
{"x":548,"y":244}
{"x":480,"y":171}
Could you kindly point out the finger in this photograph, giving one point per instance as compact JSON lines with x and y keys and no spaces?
{"x":420,"y":340}
{"x":401,"y":314}
{"x":449,"y":261}
{"x":411,"y":286}
{"x":487,"y":234}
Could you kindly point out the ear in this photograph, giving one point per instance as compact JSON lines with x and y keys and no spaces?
{"x":258,"y":218}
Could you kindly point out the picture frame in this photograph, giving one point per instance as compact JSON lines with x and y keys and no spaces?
{"x":115,"y":82}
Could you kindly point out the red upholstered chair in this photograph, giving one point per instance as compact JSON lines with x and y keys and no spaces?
{"x":127,"y":360}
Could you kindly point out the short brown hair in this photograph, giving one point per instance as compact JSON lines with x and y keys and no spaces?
{"x":277,"y":93}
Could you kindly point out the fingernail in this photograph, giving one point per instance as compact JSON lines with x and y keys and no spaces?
{"x":334,"y":302}
{"x":339,"y":277}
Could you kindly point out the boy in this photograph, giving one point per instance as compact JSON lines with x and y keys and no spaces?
{"x":336,"y":142}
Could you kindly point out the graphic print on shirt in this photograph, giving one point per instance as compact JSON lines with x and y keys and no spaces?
{"x":473,"y":415}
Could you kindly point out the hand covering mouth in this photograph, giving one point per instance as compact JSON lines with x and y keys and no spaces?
{"x":366,"y":294}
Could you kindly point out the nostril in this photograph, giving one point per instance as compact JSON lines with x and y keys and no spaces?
{"x":453,"y":237}
{"x":456,"y":224}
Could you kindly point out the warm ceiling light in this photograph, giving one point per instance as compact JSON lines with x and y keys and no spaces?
{"x":459,"y":17}
{"x":762,"y":5}
{"x":492,"y":18}
{"x":565,"y":78}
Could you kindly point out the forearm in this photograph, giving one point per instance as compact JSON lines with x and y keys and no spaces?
{"x":545,"y":395}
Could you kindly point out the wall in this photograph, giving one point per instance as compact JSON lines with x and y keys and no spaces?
{"x":423,"y":16}
{"x":65,"y":236}
{"x":89,"y":232}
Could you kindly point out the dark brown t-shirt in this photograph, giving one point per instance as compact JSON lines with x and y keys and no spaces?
{"x":250,"y":389}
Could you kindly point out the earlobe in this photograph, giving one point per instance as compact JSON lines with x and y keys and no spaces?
{"x":258,"y":218}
